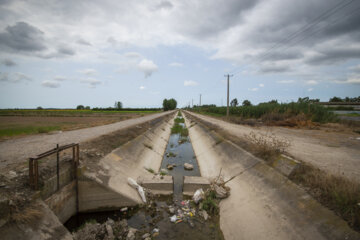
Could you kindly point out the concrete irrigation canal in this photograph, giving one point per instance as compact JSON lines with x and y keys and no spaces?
{"x":148,"y":187}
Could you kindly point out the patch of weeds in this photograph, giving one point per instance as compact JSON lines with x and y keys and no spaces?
{"x":89,"y":221}
{"x":179,"y":120}
{"x":219,"y":140}
{"x":171,"y":154}
{"x":267,"y":146}
{"x":171,"y":145}
{"x":27,"y":215}
{"x":148,"y":146}
{"x":176,"y":128}
{"x":184,"y":132}
{"x":336,"y":192}
{"x":179,"y":114}
{"x":163,"y":173}
{"x":210,"y":203}
{"x":150,"y":170}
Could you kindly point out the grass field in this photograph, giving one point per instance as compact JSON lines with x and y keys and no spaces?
{"x":272,"y":113}
{"x":14,"y":123}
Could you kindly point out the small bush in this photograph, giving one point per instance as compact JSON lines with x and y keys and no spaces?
{"x":267,"y":146}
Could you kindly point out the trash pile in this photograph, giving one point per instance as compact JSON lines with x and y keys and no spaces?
{"x":201,"y":205}
{"x":111,"y":230}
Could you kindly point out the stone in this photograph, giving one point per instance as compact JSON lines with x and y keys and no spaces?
{"x":171,"y":209}
{"x":131,"y":234}
{"x":146,"y":235}
{"x":12,"y":174}
{"x":123,"y":224}
{"x":220,"y":192}
{"x":110,"y":231}
{"x":204,"y":215}
{"x":188,"y":166}
{"x":170,"y":166}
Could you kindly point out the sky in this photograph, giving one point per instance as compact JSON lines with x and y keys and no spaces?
{"x":64,"y":53}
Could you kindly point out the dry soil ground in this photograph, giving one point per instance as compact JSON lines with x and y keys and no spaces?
{"x":18,"y":150}
{"x":18,"y":126}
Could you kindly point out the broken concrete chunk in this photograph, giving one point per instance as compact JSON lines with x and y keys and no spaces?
{"x":188,"y":166}
{"x":146,"y":235}
{"x":131,"y":234}
{"x":221,"y":192}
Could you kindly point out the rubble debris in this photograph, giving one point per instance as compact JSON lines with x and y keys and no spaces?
{"x":131,"y":234}
{"x":220,"y":191}
{"x":146,"y":235}
{"x":188,"y":166}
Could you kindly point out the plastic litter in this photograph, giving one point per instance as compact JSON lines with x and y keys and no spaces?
{"x":155,"y":230}
{"x":173,"y":218}
{"x":139,"y":188}
{"x":198,"y":195}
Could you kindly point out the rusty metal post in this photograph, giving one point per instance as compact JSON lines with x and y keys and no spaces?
{"x":31,"y":172}
{"x":58,"y":166}
{"x":76,"y":164}
{"x":36,"y":179}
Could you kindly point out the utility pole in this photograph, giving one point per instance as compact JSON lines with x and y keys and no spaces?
{"x":228,"y":86}
{"x":200,"y":100}
{"x":192,"y":101}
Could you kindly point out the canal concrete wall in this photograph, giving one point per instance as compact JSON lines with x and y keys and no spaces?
{"x":263,"y":204}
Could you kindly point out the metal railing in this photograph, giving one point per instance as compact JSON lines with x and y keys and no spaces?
{"x":34,"y":164}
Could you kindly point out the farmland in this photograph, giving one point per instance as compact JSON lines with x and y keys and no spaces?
{"x":14,"y":123}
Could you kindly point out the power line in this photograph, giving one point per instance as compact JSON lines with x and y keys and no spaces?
{"x":304,"y":29}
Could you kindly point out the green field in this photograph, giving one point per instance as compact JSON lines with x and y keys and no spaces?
{"x":268,"y":112}
{"x":20,"y":122}
{"x":68,"y":112}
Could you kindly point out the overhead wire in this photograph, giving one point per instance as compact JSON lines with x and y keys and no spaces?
{"x":297,"y":33}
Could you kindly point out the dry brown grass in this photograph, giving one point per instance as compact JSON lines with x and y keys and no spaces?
{"x":27,"y":215}
{"x":267,"y":146}
{"x":336,"y":192}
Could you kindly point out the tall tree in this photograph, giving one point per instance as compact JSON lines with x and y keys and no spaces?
{"x":118,"y":105}
{"x":246,"y":103}
{"x":169,"y":104}
{"x":234,"y":102}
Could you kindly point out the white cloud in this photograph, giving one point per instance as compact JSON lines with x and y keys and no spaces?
{"x":176,"y":64}
{"x":14,"y":77}
{"x":311,"y":82}
{"x":132,"y":55}
{"x":190,"y":83}
{"x":91,"y":82}
{"x":350,"y":80}
{"x":285,"y":81}
{"x":60,"y":78}
{"x":253,"y":89}
{"x":147,"y":67}
{"x":261,"y":85}
{"x":50,"y":84}
{"x":88,"y":71}
{"x":142,"y":87}
{"x":310,"y":89}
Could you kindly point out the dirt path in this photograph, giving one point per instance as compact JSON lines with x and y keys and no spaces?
{"x":335,"y":152}
{"x":19,"y":150}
